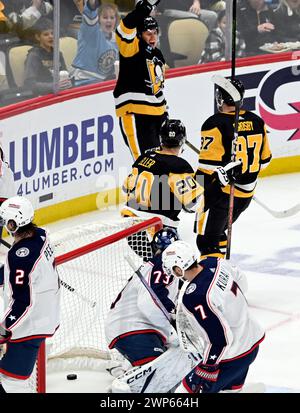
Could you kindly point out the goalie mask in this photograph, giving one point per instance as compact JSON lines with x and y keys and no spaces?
{"x":17,"y":209}
{"x":163,"y":238}
{"x":224,"y":97}
{"x":179,"y":254}
{"x":172,"y":133}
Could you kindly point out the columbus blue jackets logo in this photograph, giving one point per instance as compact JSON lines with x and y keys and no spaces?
{"x":270,"y":108}
{"x":22,"y":252}
{"x":273,"y":95}
{"x":191,"y":288}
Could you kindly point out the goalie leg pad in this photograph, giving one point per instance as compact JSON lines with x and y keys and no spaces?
{"x":160,"y":376}
{"x":12,"y":385}
{"x":140,"y":348}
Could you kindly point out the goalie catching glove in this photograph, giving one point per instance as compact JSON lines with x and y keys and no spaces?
{"x":228,"y":173}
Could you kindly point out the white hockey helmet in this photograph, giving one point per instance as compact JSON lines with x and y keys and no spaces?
{"x":17,"y":209}
{"x":178,"y":254}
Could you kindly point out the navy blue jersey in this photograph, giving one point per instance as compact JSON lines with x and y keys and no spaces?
{"x":214,"y":313}
{"x":135,"y":310}
{"x":31,"y":288}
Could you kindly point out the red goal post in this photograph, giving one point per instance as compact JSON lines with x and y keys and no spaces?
{"x":91,"y":277}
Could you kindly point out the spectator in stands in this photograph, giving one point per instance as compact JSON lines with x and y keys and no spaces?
{"x":97,"y":48}
{"x":255,"y":23}
{"x":70,"y":16}
{"x":177,"y":9}
{"x":216,"y":42}
{"x":39,"y":62}
{"x":23,"y":14}
{"x":3,"y":19}
{"x":287,"y":21}
{"x":213,"y":5}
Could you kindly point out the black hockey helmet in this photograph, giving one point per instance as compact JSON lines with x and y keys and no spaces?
{"x":172,"y":133}
{"x":224,"y":97}
{"x":149,"y":23}
{"x":163,"y":238}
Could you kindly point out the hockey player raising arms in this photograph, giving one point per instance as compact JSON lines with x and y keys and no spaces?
{"x":31,"y":295}
{"x":139,"y":99}
{"x":213,"y":313}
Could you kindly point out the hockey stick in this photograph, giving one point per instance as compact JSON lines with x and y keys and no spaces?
{"x":226,"y":85}
{"x":279,"y":214}
{"x":233,"y":38}
{"x":71,"y":289}
{"x":184,"y":339}
{"x":237,"y":104}
{"x":5,"y":243}
{"x":149,"y":289}
{"x":231,"y":195}
{"x":234,"y":93}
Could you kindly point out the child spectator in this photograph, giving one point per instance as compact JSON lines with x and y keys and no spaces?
{"x":39,"y":62}
{"x":216,"y":42}
{"x":97,"y":48}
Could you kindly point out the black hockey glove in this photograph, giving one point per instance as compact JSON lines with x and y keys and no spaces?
{"x":235,"y":172}
{"x":205,"y":376}
{"x":146,"y":5}
{"x":228,"y":173}
{"x":4,"y":334}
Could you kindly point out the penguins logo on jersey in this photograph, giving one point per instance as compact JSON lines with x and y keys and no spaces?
{"x":106,"y":61}
{"x":22,"y":252}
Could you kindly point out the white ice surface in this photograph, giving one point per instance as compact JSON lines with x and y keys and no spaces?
{"x":268,"y":250}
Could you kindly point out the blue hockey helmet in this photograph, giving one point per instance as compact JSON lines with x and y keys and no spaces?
{"x":163,"y":238}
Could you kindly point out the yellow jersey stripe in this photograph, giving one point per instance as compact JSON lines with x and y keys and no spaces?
{"x":128,"y":125}
{"x":142,"y":109}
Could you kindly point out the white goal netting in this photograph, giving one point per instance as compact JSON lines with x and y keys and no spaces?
{"x":90,"y":282}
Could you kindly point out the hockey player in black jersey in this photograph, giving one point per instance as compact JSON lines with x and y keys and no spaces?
{"x":162,"y":183}
{"x":252,"y":150}
{"x":31,"y":296}
{"x":139,"y":99}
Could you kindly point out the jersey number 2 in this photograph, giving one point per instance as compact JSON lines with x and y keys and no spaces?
{"x":19,"y":277}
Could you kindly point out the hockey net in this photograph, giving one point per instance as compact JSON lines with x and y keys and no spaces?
{"x":92,"y":268}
